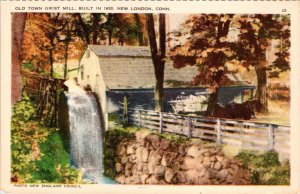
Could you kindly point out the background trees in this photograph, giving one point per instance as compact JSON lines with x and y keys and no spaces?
{"x":257,"y":34}
{"x":51,"y":38}
{"x":207,"y":47}
{"x":203,"y":41}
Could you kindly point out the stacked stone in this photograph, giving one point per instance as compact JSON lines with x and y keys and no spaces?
{"x":150,"y":159}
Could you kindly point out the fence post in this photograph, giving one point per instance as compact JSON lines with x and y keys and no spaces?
{"x":139,"y":115}
{"x":190,"y":125}
{"x":271,"y":137}
{"x":160,"y":122}
{"x":218,"y":128}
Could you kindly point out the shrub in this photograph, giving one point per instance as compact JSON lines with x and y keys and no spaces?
{"x":26,"y":135}
{"x":38,"y":154}
{"x":266,"y":168}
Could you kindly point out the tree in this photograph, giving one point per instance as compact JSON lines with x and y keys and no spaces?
{"x":51,"y":31}
{"x":205,"y":45}
{"x":158,"y":57}
{"x":256,"y":34}
{"x":124,"y":29}
{"x":18,"y":26}
{"x":42,"y":30}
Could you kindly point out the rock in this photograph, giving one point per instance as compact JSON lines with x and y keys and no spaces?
{"x":152,"y":140}
{"x":181,"y":149}
{"x":128,"y":169}
{"x":176,"y":167}
{"x":119,"y":167}
{"x":168,"y":159}
{"x":139,"y":166}
{"x":202,"y":172}
{"x":229,"y":179}
{"x":181,"y":177}
{"x":124,"y":160}
{"x":193,"y":151}
{"x":192,"y":176}
{"x":218,"y":166}
{"x":130,"y":149}
{"x":151,"y":167}
{"x":145,"y":155}
{"x":153,"y":180}
{"x":220,"y":158}
{"x":245,"y":174}
{"x":226,"y":163}
{"x":145,"y":168}
{"x":210,"y":173}
{"x":144,"y":178}
{"x":222,"y":174}
{"x":199,"y":158}
{"x":164,"y":144}
{"x":159,"y":171}
{"x":169,"y":175}
{"x":202,"y":151}
{"x":120,"y":179}
{"x":141,"y":135}
{"x":155,"y":157}
{"x":213,"y":159}
{"x":203,"y":181}
{"x":133,"y":158}
{"x":133,"y":180}
{"x":199,"y":166}
{"x":206,"y":161}
{"x":121,"y":150}
{"x":189,"y":163}
{"x":139,"y":154}
{"x":231,"y":171}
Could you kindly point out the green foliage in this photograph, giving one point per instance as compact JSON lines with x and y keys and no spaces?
{"x":38,"y":154}
{"x":26,"y":133}
{"x":173,"y":137}
{"x":56,"y":156}
{"x":28,"y":67}
{"x":265,"y":168}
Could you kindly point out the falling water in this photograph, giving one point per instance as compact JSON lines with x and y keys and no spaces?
{"x":85,"y":133}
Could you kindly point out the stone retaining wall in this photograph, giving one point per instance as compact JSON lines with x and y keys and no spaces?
{"x":151,"y":159}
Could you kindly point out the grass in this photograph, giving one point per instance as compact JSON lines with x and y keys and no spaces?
{"x":279,"y":113}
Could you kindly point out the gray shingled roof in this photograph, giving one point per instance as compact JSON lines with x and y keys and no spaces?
{"x":131,"y":67}
{"x":131,"y":51}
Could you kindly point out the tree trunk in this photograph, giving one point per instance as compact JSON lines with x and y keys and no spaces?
{"x":18,"y":26}
{"x":213,"y":100}
{"x":84,"y":28}
{"x":95,"y":27}
{"x":66,"y":60}
{"x":109,"y":37}
{"x":261,"y":91}
{"x":139,"y":30}
{"x":51,"y":37}
{"x":158,"y":59}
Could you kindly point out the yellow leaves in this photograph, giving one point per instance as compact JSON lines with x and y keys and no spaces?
{"x":255,"y":26}
{"x":228,"y":53}
{"x":243,"y":30}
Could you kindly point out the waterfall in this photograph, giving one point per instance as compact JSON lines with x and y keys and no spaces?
{"x":85,"y":134}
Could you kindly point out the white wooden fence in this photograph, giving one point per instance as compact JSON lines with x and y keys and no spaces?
{"x":245,"y":134}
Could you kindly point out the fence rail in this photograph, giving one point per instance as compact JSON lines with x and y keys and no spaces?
{"x":245,"y":134}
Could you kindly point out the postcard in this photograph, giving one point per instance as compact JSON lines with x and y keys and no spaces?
{"x":150,"y":96}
